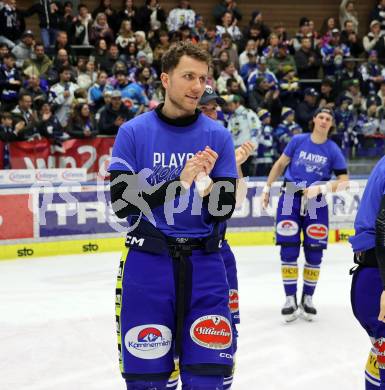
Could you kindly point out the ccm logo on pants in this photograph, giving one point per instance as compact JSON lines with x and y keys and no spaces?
{"x":148,"y":341}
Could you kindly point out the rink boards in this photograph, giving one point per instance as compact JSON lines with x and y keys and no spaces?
{"x":72,"y":219}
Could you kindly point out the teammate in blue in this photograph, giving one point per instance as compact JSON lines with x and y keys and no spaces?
{"x":368,"y":284}
{"x":173,"y":173}
{"x":208,"y":105}
{"x":309,"y":160}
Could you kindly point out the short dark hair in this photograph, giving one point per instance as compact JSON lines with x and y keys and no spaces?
{"x":9,"y":55}
{"x":172,"y":56}
{"x":23,"y":94}
{"x":5,"y":115}
{"x":64,"y":68}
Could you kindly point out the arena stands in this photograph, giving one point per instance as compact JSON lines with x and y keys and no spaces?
{"x":72,"y":73}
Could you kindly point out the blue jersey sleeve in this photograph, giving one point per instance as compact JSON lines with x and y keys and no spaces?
{"x":339,"y":161}
{"x":123,"y":152}
{"x":225,"y":165}
{"x":291,"y":147}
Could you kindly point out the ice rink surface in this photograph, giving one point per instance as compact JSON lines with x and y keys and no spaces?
{"x":57,"y":327}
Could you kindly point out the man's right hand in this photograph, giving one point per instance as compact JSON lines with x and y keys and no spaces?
{"x":193,"y":167}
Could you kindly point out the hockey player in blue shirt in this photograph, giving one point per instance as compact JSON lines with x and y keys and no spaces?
{"x":208,"y":104}
{"x":308,"y":162}
{"x":368,"y":284}
{"x":173,"y":173}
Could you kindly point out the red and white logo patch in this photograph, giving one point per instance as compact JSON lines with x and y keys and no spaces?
{"x":287,"y":228}
{"x":317,"y":231}
{"x":213,"y":332}
{"x":379,"y":346}
{"x":233,"y":301}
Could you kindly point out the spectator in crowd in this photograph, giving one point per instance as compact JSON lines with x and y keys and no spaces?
{"x":372,"y":73}
{"x":63,"y":95}
{"x":151,"y":16}
{"x":95,"y":93}
{"x":100,"y":53}
{"x":327,"y":94}
{"x":131,"y":93}
{"x":66,"y":18}
{"x":329,"y":24}
{"x":32,"y":88}
{"x":8,"y":131}
{"x":249,"y":67}
{"x":107,"y":63}
{"x":146,"y":80}
{"x":244,"y":125}
{"x":233,"y":88}
{"x":250,"y":49}
{"x":306,"y":109}
{"x":348,"y":12}
{"x":348,"y":72}
{"x":378,"y":13}
{"x":289,"y":86}
{"x":24,"y":49}
{"x":374,"y":36}
{"x":229,"y":25}
{"x":23,"y":112}
{"x":280,"y":59}
{"x":50,"y":127}
{"x":113,"y":115}
{"x":129,"y":12}
{"x":101,"y":30}
{"x":105,"y":7}
{"x":229,"y":72}
{"x":3,"y":51}
{"x":181,"y":15}
{"x":61,"y":60}
{"x":307,"y":61}
{"x":353,"y":43}
{"x":381,"y":93}
{"x":82,"y":123}
{"x":226,"y":44}
{"x":142,"y":62}
{"x":272,"y":49}
{"x":253,"y":33}
{"x":261,"y":72}
{"x":39,"y":63}
{"x":125,"y":36}
{"x":354,"y":93}
{"x":10,"y":82}
{"x":12,"y":24}
{"x":257,"y":19}
{"x":199,"y":30}
{"x":87,"y":75}
{"x":160,"y":49}
{"x":265,"y":151}
{"x":226,"y":6}
{"x":143,"y":45}
{"x":81,"y":28}
{"x":344,"y":118}
{"x":62,"y":42}
{"x":303,"y":32}
{"x":333,"y":53}
{"x":285,"y":131}
{"x":49,"y":20}
{"x":265,"y":95}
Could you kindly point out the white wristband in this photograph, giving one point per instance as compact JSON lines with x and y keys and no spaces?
{"x":323,"y":189}
{"x":203,"y":183}
{"x":266,"y":189}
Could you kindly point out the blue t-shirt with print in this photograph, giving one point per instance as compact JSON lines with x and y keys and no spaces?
{"x":365,"y":223}
{"x":158,"y":151}
{"x":311,"y":162}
